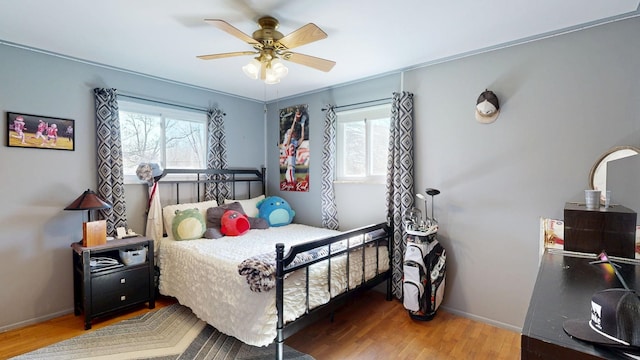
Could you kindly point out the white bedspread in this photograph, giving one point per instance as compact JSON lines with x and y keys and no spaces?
{"x":203,"y":275}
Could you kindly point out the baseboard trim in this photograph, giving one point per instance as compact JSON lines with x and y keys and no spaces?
{"x":482,"y":319}
{"x":380,"y":289}
{"x":35,"y":320}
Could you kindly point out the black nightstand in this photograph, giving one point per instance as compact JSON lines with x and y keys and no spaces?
{"x":99,"y":292}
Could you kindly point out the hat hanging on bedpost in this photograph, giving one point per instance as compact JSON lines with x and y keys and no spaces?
{"x":487,"y":107}
{"x":149,"y":172}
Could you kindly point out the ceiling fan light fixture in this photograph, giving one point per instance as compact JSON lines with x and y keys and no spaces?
{"x":278,"y":68}
{"x":271,"y":78}
{"x":270,"y":45}
{"x":252,"y":69}
{"x":274,"y":70}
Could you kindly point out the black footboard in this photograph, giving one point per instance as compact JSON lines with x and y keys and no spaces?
{"x":370,"y":236}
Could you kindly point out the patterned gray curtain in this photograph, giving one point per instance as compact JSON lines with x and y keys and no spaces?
{"x":110,"y":171}
{"x":329,"y":208}
{"x":400,"y":194}
{"x":216,"y":156}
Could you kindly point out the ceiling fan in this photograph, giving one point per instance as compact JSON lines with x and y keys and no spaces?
{"x":271,"y":46}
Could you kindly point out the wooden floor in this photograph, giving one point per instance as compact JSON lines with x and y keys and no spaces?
{"x":32,"y":337}
{"x":380,"y":330}
{"x":383,"y":330}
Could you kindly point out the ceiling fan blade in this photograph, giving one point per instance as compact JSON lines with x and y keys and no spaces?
{"x":304,"y":35}
{"x":226,"y":55}
{"x":308,"y":60}
{"x":230,"y":29}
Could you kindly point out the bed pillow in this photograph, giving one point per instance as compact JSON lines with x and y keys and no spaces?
{"x":169,"y":213}
{"x":213,"y":233}
{"x":214,"y":214}
{"x":248,"y":205}
{"x":188,"y":225}
{"x":258,"y":223}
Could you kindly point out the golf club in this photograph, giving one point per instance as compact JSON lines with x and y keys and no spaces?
{"x":432,"y":192}
{"x":423,"y":198}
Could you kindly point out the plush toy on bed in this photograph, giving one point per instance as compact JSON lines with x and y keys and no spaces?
{"x":276,"y":211}
{"x":188,"y":224}
{"x":234,"y":223}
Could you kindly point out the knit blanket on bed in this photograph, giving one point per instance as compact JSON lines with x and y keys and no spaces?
{"x":260,"y":270}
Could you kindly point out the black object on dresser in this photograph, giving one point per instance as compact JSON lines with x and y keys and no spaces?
{"x":109,"y":289}
{"x":563,"y":290}
{"x":611,"y":229}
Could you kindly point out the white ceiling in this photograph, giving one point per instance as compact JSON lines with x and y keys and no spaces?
{"x":366,"y":38}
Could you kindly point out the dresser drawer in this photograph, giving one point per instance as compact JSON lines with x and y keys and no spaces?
{"x":122,"y":288}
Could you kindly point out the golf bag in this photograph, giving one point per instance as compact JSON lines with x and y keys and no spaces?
{"x":424,"y":276}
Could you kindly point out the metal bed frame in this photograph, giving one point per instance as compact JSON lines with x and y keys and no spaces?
{"x":372,"y":235}
{"x":214,"y":176}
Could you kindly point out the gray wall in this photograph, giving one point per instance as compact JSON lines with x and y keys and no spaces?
{"x":35,"y":258}
{"x":565,"y":100}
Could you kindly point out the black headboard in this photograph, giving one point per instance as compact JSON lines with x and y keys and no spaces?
{"x":197,"y":177}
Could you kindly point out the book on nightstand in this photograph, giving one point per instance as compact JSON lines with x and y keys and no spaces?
{"x":94,"y":233}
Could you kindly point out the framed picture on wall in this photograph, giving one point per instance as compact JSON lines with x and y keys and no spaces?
{"x":40,"y":132}
{"x":294,"y":148}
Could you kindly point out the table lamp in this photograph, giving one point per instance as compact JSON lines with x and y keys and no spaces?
{"x":93,"y":232}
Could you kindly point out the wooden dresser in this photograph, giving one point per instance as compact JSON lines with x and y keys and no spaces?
{"x":563,"y":290}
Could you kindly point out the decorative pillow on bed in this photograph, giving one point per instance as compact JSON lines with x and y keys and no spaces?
{"x":214,"y":214}
{"x":258,"y":223}
{"x":249,"y":205}
{"x":169,"y":213}
{"x":213,"y":233}
{"x":214,"y":219}
{"x":188,"y":225}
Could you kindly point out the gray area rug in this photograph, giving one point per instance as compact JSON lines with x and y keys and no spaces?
{"x":172,"y":332}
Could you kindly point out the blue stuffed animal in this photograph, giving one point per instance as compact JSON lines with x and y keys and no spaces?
{"x":275,"y":210}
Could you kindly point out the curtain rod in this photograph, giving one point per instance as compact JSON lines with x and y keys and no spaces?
{"x":383,"y":100}
{"x":163,"y":102}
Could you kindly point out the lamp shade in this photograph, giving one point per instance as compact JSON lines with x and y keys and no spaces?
{"x":252,"y":69}
{"x":275,"y":71}
{"x":278,"y":68}
{"x":89,"y":200}
{"x":269,"y":70}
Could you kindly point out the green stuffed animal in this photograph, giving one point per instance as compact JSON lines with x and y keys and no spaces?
{"x":188,"y":224}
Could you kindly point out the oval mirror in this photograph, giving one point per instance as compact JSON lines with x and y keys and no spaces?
{"x":598,"y":173}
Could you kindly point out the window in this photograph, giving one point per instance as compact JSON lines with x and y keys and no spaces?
{"x":176,"y":139}
{"x":362,"y":143}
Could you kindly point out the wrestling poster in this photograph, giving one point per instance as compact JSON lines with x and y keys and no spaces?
{"x":294,"y":148}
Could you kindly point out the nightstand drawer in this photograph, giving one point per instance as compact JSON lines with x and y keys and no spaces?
{"x":122,"y":288}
